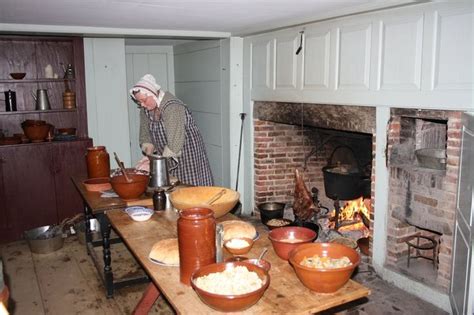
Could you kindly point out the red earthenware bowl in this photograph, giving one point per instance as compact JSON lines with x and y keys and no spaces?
{"x":323,"y":280}
{"x":130,"y":190}
{"x":286,"y":238}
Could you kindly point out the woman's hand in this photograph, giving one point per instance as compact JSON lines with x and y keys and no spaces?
{"x":143,"y":165}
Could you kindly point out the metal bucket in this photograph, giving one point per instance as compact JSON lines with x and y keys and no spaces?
{"x":80,"y":228}
{"x":44,"y":239}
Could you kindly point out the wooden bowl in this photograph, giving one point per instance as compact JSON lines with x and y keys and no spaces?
{"x":323,"y":280}
{"x":97,"y":184}
{"x":285,"y":239}
{"x":230,"y":303}
{"x":17,"y":75}
{"x":192,"y":197}
{"x":231,"y":248}
{"x":36,"y":133}
{"x":130,"y":190}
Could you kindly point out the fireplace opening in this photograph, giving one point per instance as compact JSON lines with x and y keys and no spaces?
{"x":320,"y":141}
{"x":423,"y":167}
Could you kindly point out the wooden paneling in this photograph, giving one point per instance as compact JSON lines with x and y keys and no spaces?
{"x":262,"y":66}
{"x":316,"y":59}
{"x":191,"y":94}
{"x":285,"y":61}
{"x":354,"y":54}
{"x":400,"y":52}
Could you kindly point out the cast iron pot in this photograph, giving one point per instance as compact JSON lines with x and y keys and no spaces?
{"x":343,"y":185}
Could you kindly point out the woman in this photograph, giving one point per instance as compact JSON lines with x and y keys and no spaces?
{"x":167,"y":127}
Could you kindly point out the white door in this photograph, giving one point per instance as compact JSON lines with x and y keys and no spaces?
{"x":140,"y":60}
{"x":462,"y":275}
{"x":200,"y":84}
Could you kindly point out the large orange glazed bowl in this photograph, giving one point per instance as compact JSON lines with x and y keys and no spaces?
{"x":129,"y":190}
{"x":326,"y":280}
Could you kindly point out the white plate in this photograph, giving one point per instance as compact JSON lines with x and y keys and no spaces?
{"x":161,"y":263}
{"x":139,"y":213}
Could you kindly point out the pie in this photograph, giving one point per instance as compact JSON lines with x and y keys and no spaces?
{"x":166,"y":251}
{"x":237,"y":229}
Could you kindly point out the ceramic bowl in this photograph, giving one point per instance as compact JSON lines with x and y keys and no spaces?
{"x":36,"y":132}
{"x":138,"y":213}
{"x":97,"y":184}
{"x":277,"y":223}
{"x":17,"y":75}
{"x":270,"y":210}
{"x":287,"y":238}
{"x":129,"y":190}
{"x":230,"y":303}
{"x":234,"y":247}
{"x":191,"y":197}
{"x":262,"y":263}
{"x":323,"y":280}
{"x":66,"y":131}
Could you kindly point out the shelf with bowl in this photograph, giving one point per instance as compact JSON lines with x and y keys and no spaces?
{"x":17,"y":81}
{"x":20,"y":112}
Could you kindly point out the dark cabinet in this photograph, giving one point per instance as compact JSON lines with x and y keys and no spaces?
{"x":35,"y":178}
{"x":37,"y":186}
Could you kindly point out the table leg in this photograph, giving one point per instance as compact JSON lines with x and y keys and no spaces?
{"x":108,"y":275}
{"x":87,"y":224}
{"x":148,"y":299}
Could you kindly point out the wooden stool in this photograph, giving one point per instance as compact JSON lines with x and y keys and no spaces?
{"x":432,"y":245}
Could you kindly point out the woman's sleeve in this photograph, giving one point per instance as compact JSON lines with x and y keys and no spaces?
{"x":174,"y":120}
{"x":144,"y":138}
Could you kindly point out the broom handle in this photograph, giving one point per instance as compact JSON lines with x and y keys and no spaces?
{"x":242,"y":117}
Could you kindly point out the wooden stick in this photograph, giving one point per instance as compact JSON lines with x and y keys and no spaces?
{"x":120,"y":164}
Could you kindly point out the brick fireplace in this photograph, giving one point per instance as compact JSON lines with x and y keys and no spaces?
{"x":423,"y":194}
{"x":303,"y":136}
{"x":421,"y":201}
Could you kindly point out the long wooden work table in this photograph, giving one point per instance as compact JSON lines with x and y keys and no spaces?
{"x":286,"y":294}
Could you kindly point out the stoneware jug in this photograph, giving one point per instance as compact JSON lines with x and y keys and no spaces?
{"x":42,"y":100}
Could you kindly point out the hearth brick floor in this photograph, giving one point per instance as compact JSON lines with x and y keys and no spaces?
{"x":66,"y":282}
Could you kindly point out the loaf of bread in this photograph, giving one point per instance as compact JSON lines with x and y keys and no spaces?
{"x":166,"y":251}
{"x":236,"y":228}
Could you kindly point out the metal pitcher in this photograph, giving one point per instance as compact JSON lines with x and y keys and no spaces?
{"x":159,"y":172}
{"x":42,"y":100}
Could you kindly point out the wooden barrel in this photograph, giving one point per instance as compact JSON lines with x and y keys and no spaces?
{"x":69,"y":99}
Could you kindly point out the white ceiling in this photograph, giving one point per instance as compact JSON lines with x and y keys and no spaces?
{"x":236,"y":17}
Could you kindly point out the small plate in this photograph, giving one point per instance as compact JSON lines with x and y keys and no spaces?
{"x":161,"y":263}
{"x":138,"y":213}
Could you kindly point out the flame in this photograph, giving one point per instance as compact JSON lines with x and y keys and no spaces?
{"x":352,"y":209}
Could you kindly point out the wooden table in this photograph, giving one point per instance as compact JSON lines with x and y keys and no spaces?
{"x":94,"y":207}
{"x":286,"y":294}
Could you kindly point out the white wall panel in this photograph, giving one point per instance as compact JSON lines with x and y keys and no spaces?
{"x":453,"y":50}
{"x":198,"y":65}
{"x":400,"y":52}
{"x":261,"y":64}
{"x":191,"y":94}
{"x":285,"y":61}
{"x":354,"y":57}
{"x":316,"y":59}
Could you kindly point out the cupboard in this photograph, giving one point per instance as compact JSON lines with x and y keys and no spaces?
{"x":35,"y":178}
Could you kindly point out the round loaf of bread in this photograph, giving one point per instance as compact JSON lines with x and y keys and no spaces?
{"x":166,"y":251}
{"x":238,"y":229}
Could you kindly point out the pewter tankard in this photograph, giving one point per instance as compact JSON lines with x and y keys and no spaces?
{"x":159,"y":172}
{"x":42,"y":100}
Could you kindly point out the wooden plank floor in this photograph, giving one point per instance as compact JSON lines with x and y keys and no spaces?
{"x":66,"y":282}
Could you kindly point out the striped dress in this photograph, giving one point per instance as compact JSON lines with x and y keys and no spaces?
{"x":192,"y":166}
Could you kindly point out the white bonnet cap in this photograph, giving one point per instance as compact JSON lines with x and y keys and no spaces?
{"x":146,"y":85}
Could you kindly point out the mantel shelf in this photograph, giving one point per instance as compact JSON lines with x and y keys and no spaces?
{"x":21,"y":112}
{"x":35,"y":80}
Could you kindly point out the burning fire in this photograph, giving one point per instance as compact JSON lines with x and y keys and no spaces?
{"x":352,"y":209}
{"x":351,"y":216}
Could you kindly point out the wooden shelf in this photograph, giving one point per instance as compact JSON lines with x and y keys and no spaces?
{"x":35,"y":80}
{"x":21,"y":112}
